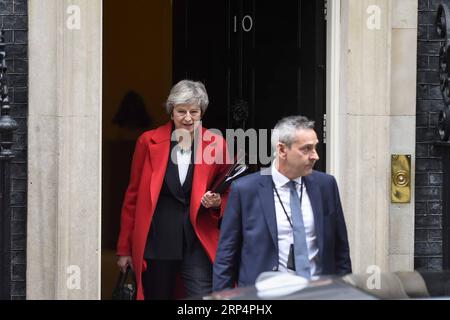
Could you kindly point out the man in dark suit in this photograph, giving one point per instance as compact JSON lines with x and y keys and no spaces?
{"x":287,"y":218}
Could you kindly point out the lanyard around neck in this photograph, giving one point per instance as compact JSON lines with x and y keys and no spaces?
{"x":281,"y":202}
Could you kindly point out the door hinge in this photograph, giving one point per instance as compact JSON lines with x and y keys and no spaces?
{"x":325,"y":10}
{"x":324,"y":128}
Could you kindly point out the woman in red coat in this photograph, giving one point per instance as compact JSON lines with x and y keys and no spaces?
{"x":169,"y":223}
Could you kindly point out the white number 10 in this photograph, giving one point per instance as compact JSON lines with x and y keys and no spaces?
{"x":246,"y":23}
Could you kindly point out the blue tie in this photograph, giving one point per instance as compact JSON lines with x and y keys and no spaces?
{"x":302,"y":266}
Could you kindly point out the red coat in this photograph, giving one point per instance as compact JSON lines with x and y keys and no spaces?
{"x":147,"y":174}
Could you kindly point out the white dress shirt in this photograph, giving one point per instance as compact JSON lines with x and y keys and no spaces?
{"x":285,"y":232}
{"x":183,"y":162}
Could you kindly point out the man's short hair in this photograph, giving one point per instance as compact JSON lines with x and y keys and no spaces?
{"x":285,"y":130}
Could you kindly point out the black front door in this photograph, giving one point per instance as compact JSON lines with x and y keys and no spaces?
{"x":258,"y":56}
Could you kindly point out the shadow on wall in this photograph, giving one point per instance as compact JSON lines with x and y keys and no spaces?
{"x":132,"y":112}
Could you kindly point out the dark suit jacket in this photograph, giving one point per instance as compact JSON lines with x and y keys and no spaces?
{"x":171,"y":232}
{"x":248,"y":243}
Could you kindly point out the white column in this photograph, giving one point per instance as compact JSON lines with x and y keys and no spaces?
{"x":364,"y":129}
{"x":375,"y":118}
{"x":64,"y":149}
{"x":403,"y":126}
{"x":333,"y":90}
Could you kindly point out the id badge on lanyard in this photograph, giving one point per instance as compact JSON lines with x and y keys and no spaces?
{"x":291,"y":261}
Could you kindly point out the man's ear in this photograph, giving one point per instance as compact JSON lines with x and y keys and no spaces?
{"x":281,"y":149}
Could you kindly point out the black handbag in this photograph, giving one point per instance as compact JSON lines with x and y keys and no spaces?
{"x":125,"y":290}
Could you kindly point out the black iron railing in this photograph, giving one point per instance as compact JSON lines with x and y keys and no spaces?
{"x":7,"y":127}
{"x":443,"y":30}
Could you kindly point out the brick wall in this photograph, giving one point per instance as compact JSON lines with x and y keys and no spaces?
{"x":14,"y":21}
{"x":428,"y":222}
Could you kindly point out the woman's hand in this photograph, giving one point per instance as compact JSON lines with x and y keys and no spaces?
{"x":123,"y":262}
{"x":211,"y":200}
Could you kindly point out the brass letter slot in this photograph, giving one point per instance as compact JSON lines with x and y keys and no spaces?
{"x":400,"y":178}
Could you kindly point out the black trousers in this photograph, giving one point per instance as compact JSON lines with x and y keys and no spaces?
{"x":159,"y":279}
